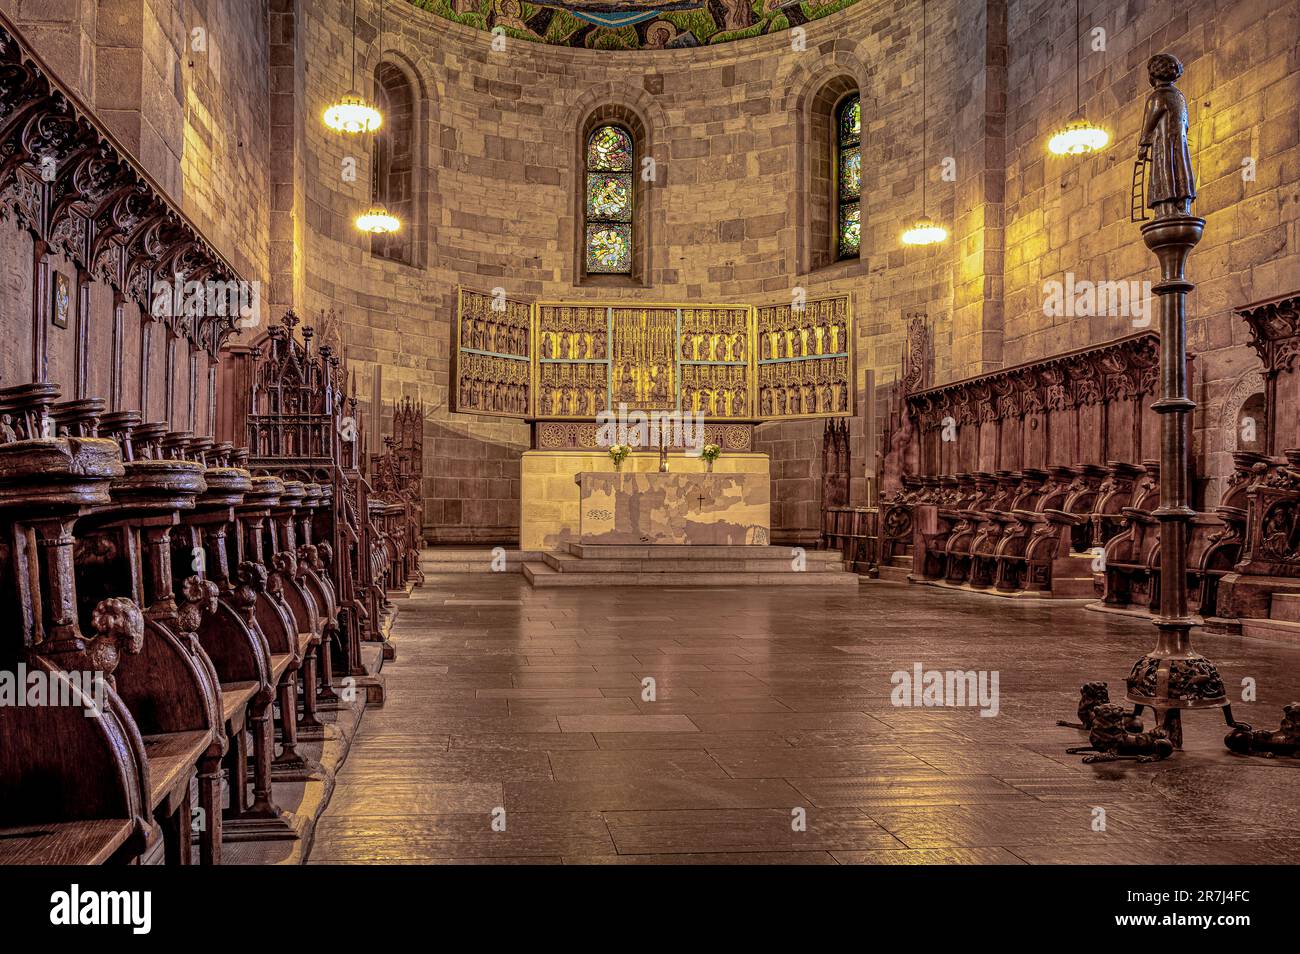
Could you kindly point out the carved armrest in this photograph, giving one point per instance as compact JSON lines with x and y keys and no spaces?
{"x":1029,"y":516}
{"x":1064,"y":518}
{"x":1138,"y":515}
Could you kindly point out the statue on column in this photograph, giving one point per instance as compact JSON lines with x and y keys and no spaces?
{"x":1163,"y":142}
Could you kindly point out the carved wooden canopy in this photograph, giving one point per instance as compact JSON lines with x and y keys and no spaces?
{"x":1125,"y":368}
{"x":80,"y":193}
{"x":1274,"y":331}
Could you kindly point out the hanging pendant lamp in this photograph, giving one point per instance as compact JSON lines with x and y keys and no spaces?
{"x":925,"y":231}
{"x":353,"y":114}
{"x":1079,"y":136}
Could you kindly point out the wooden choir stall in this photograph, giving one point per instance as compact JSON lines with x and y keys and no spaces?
{"x":1042,"y":480}
{"x":187,"y":602}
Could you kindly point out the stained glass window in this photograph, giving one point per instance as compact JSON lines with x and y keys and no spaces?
{"x":609,"y":202}
{"x":848,"y":182}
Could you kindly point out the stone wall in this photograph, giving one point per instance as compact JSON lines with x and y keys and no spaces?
{"x":182,"y":85}
{"x":726,"y":218}
{"x":238,"y":137}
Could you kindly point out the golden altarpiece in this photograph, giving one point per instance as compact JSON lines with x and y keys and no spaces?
{"x":569,"y":361}
{"x":567,"y":366}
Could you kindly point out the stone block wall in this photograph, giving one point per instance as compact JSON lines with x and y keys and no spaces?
{"x":1242,"y":84}
{"x":729,"y":216}
{"x":726,"y":218}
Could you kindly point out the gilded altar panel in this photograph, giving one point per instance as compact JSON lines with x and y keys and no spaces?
{"x":805,"y":358}
{"x":572,"y":361}
{"x":493,"y":355}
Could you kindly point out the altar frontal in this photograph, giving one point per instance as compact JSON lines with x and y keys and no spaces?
{"x":708,"y":509}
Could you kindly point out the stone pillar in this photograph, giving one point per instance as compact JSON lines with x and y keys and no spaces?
{"x":977,"y":234}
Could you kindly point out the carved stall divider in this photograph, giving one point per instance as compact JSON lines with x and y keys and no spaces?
{"x":876,"y":539}
{"x":396,"y":479}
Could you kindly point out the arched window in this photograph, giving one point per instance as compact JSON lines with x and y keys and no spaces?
{"x":395,"y":153}
{"x":828,"y":204}
{"x":608,"y":201}
{"x":848,"y":177}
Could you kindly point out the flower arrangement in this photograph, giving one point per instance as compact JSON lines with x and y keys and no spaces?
{"x":618,"y":453}
{"x":710,"y":453}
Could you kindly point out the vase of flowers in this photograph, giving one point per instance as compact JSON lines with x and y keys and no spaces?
{"x":710,"y":453}
{"x":618,"y":453}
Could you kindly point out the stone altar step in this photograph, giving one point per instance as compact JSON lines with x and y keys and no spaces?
{"x":697,"y":552}
{"x":571,"y":563}
{"x":1277,"y":630}
{"x":539,"y":574}
{"x":1285,"y":607}
{"x":673,"y":565}
{"x":891,"y":573}
{"x":471,"y":559}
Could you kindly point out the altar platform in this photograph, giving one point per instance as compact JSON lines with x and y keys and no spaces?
{"x":578,"y":564}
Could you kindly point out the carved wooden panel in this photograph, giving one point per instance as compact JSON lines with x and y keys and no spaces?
{"x":1275,"y":336}
{"x":1086,"y":406}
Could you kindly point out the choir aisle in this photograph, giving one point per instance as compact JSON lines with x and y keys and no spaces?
{"x":518,"y":727}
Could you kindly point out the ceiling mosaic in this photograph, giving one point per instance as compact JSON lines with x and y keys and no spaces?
{"x":633,"y":24}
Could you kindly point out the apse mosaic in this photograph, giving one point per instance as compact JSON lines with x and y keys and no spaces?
{"x":633,"y":24}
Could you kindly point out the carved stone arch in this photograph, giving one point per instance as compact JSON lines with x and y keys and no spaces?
{"x":637,"y":112}
{"x":1249,"y":385}
{"x":813,"y":93}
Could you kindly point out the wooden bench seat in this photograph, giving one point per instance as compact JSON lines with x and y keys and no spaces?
{"x":90,"y":842}
{"x":172,"y":758}
{"x":279,"y":663}
{"x":235,"y":697}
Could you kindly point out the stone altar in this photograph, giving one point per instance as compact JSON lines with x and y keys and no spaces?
{"x":674,"y":508}
{"x":550,"y":496}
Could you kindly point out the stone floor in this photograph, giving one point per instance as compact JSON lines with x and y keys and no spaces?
{"x":772,"y":707}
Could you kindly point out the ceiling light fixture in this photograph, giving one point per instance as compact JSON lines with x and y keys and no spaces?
{"x":1079,"y":137}
{"x":378,"y":221}
{"x":925,"y":231}
{"x":352,"y":114}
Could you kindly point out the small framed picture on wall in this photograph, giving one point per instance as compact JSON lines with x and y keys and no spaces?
{"x":62,"y":300}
